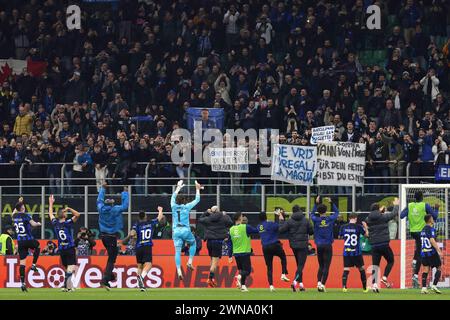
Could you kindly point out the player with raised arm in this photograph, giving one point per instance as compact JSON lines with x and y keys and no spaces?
{"x":299,"y":229}
{"x":23,"y":223}
{"x":110,"y":223}
{"x":351,"y":234}
{"x":415,"y":213}
{"x":216,"y":225}
{"x":181,"y":226}
{"x":379,"y":239}
{"x":268,"y":231}
{"x":241,"y":245}
{"x":143,"y":230}
{"x":64,"y":232}
{"x":431,"y":254}
{"x":323,"y":237}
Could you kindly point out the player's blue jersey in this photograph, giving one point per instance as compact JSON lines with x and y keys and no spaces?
{"x":144,"y":232}
{"x":64,"y":233}
{"x":351,"y":234}
{"x":22,"y":225}
{"x":180,"y":212}
{"x":426,"y":235}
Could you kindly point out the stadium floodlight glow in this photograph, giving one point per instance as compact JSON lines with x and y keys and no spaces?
{"x":432,"y":194}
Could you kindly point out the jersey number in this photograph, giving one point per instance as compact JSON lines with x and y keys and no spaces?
{"x":351,"y":240}
{"x":179,"y":215}
{"x":426,"y":243}
{"x":20,"y":229}
{"x":146,"y":234}
{"x":62,"y":235}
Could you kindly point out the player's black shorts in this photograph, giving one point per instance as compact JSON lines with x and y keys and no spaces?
{"x":214,"y":248}
{"x":353,"y":261}
{"x":68,"y":257}
{"x":25,"y":245}
{"x":432,"y":261}
{"x":144,"y":254}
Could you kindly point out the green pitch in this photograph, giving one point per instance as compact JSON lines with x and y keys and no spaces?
{"x":216,"y":294}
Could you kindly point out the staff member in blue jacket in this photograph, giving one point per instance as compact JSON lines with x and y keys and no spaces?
{"x":110,"y":223}
{"x":323,"y":237}
{"x":268,"y":231}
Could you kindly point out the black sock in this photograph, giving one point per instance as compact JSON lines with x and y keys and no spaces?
{"x":424,"y":279}
{"x":362,"y":273}
{"x":22,"y":274}
{"x":344,"y":278}
{"x":243,"y":278}
{"x":36,"y":253}
{"x":108,"y":272}
{"x":211,"y":275}
{"x":437,"y":277}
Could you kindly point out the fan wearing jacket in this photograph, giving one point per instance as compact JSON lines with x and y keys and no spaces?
{"x":216,"y":226}
{"x":377,"y":223}
{"x":298,"y":228}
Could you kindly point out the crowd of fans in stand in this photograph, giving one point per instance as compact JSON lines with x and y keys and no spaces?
{"x":288,"y":65}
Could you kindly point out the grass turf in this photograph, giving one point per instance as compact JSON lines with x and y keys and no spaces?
{"x":217,"y":294}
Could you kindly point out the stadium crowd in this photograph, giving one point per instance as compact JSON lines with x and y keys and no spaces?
{"x":114,"y":91}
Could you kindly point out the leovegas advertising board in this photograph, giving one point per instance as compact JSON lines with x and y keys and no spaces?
{"x":163,"y":273}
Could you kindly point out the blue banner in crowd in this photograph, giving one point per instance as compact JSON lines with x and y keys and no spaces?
{"x":215,"y":120}
{"x":443,"y":172}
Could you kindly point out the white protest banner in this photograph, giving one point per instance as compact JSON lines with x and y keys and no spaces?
{"x":229,"y":159}
{"x":294,"y":164}
{"x":322,"y":134}
{"x":341,"y":163}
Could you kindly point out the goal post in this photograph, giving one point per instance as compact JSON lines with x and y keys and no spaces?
{"x":432,"y":194}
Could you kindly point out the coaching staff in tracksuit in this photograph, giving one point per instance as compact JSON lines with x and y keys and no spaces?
{"x":379,"y":239}
{"x":272,"y":247}
{"x":216,"y":226}
{"x":110,"y":223}
{"x":299,"y":229}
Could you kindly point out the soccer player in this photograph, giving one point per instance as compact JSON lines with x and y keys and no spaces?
{"x":181,"y":226}
{"x":351,"y":233}
{"x":64,"y":232}
{"x":379,"y":239}
{"x":25,"y":240}
{"x":242,"y":249}
{"x":299,"y":229}
{"x":143,"y":230}
{"x":110,"y":223}
{"x":415,"y":213}
{"x":268,"y":231}
{"x":216,"y":226}
{"x":323,"y":237}
{"x":431,"y":254}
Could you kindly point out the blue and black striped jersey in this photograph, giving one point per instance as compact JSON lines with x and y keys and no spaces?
{"x":144,"y":231}
{"x":64,"y":233}
{"x":426,"y":235}
{"x":351,"y":234}
{"x":22,"y":225}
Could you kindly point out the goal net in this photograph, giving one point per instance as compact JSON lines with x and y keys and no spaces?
{"x":432,"y":194}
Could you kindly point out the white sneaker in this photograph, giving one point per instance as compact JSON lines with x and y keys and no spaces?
{"x":272,"y":289}
{"x":284,"y":278}
{"x":180,"y":274}
{"x":424,"y":291}
{"x":435,"y":289}
{"x":244,"y":288}
{"x":238,"y":281}
{"x":375,"y":288}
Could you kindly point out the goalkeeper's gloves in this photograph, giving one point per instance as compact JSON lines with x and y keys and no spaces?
{"x":180,"y":185}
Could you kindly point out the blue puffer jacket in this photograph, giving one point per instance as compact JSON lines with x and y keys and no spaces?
{"x":110,"y":217}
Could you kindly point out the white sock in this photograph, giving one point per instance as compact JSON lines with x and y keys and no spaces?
{"x":295,"y":282}
{"x":179,"y":270}
{"x":144,"y":274}
{"x":319,"y":284}
{"x":415,"y":275}
{"x":190,"y":261}
{"x":301,"y":284}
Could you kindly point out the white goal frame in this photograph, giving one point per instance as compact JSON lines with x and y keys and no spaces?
{"x":402,"y":222}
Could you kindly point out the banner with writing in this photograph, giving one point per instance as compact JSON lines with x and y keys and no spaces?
{"x":322,"y":134}
{"x":341,"y":163}
{"x":443,"y":172}
{"x":294,"y":164}
{"x":229,"y":159}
